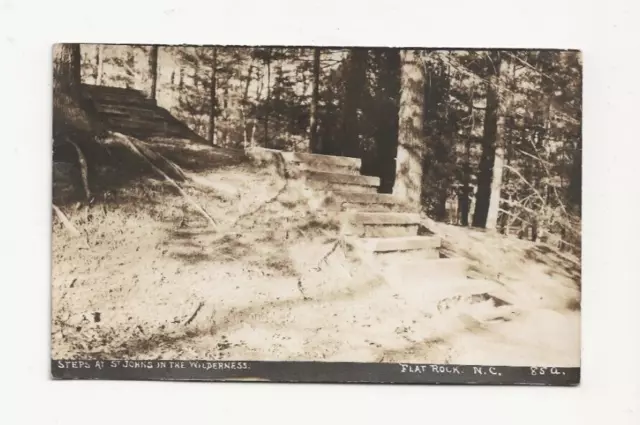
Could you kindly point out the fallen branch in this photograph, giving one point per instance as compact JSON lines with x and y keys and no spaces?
{"x":84,"y":170}
{"x":65,"y":221}
{"x":517,"y":173}
{"x":336,"y":244}
{"x":193,"y":203}
{"x":195,"y":313}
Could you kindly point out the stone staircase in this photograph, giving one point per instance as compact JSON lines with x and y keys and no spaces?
{"x":381,"y":224}
{"x":128,"y":111}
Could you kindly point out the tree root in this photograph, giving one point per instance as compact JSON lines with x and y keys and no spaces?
{"x":65,"y":221}
{"x":134,"y":147}
{"x":84,"y":169}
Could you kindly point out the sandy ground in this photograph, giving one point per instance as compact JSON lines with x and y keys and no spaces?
{"x":150,"y":280}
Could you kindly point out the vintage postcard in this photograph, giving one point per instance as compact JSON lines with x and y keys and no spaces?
{"x":316,"y":214}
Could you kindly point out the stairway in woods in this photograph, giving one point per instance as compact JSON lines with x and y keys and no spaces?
{"x":382,"y":224}
{"x":128,"y":111}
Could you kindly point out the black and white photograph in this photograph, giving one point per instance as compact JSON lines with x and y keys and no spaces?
{"x":316,"y":213}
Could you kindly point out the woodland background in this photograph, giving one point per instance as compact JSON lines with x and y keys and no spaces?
{"x":498,"y":132}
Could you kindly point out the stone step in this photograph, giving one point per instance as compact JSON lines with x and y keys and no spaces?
{"x":347,"y":206}
{"x":93,"y":88}
{"x":138,"y":120}
{"x":403,"y":243}
{"x":145,"y":128}
{"x":383,"y":218}
{"x":117,"y":99}
{"x":327,"y":168}
{"x":100,"y":95}
{"x":386,"y":231}
{"x":117,"y":109}
{"x":308,"y":161}
{"x":333,"y":187}
{"x":344,"y":179}
{"x":141,"y":119}
{"x":379,"y":224}
{"x":379,"y":202}
{"x":313,"y":159}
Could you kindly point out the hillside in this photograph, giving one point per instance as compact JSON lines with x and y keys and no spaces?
{"x":151,"y":278}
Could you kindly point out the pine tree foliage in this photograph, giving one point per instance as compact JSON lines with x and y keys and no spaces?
{"x":349,"y":101}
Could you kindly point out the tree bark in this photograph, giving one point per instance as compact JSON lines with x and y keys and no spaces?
{"x":315,"y":90}
{"x":72,"y":124}
{"x":575,"y":183}
{"x":212,"y":97}
{"x":409,"y":160}
{"x":466,"y":172}
{"x":353,"y":99}
{"x":386,"y":134}
{"x":268,"y":100}
{"x":130,"y":65}
{"x":153,"y":72}
{"x":100,"y":65}
{"x":69,"y":118}
{"x":97,"y":74}
{"x":492,"y":159}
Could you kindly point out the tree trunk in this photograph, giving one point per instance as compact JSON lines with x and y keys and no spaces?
{"x":408,"y":183}
{"x":353,"y":99}
{"x":268,"y":100}
{"x":313,"y":119}
{"x":386,"y":134}
{"x":100,"y":65}
{"x":153,"y":72}
{"x":212,"y":97}
{"x":130,"y":65}
{"x":492,"y":160}
{"x":466,"y":171}
{"x":575,"y":184}
{"x":74,"y":129}
{"x":245,"y":96}
{"x":70,"y":120}
{"x":97,"y":72}
{"x":441,"y":164}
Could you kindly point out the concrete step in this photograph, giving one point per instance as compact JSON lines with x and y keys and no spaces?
{"x":117,"y":109}
{"x":316,"y":160}
{"x":138,"y":120}
{"x":385,"y":231}
{"x":302,"y":161}
{"x":327,"y":168}
{"x":403,"y":243}
{"x":379,"y":202}
{"x":332,"y":187}
{"x":383,"y":218}
{"x":121,"y":99}
{"x":344,"y":179}
{"x":379,"y":224}
{"x":116,"y":94}
{"x":93,"y":88}
{"x":156,"y":128}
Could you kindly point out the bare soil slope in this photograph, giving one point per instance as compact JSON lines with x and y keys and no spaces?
{"x":150,"y":279}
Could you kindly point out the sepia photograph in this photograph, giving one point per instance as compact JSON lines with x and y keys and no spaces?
{"x":316,"y":213}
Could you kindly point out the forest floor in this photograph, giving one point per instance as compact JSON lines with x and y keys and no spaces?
{"x":150,"y":278}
